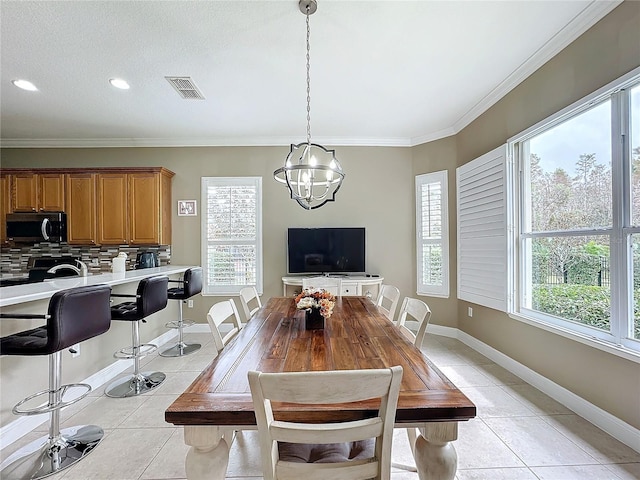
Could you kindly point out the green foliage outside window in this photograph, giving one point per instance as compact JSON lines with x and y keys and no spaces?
{"x":585,"y":304}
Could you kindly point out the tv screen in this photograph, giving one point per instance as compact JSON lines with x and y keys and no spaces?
{"x":326,"y":250}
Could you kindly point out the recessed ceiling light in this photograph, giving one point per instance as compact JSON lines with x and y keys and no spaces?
{"x":119,"y":83}
{"x":25,"y":85}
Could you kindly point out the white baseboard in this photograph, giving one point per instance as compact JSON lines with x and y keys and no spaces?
{"x":15,"y":430}
{"x":615,"y":427}
{"x":198,"y":328}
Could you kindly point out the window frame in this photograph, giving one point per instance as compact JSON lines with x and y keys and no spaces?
{"x":231,"y":290}
{"x":433,"y":290}
{"x":619,"y":340}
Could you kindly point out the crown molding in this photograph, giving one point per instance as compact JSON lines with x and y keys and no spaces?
{"x":197,"y":142}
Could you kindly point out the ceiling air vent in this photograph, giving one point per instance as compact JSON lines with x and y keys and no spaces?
{"x":185,"y":87}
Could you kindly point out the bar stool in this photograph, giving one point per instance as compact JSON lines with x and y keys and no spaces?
{"x":151,"y":297}
{"x":191,"y":284}
{"x":74,"y":315}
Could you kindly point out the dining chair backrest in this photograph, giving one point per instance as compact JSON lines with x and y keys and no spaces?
{"x":250,"y":301}
{"x":219,"y":313}
{"x":330,"y":284}
{"x":388,"y":300}
{"x":418,"y":311}
{"x":326,"y":387}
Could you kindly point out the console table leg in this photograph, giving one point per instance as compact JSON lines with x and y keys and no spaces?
{"x":208,"y":457}
{"x":435,"y":456}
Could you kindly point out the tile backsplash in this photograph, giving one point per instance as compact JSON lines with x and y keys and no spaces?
{"x":14,"y":259}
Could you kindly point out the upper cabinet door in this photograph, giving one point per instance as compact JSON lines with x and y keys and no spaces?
{"x":144,"y":208}
{"x":33,"y":192}
{"x":24,"y":192}
{"x":51,"y":192}
{"x":5,"y":205}
{"x":81,"y":208}
{"x":112,"y":209}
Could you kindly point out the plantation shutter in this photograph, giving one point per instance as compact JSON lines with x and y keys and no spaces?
{"x":432,"y":234}
{"x":481,"y":188}
{"x":232,"y":236}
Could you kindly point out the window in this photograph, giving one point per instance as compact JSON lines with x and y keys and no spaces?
{"x":232,"y":234}
{"x":432,"y":232}
{"x":578,"y":202}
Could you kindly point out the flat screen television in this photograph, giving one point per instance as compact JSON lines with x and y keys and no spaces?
{"x":326,"y":250}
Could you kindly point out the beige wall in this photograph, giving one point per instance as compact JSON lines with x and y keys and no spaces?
{"x":607,"y":51}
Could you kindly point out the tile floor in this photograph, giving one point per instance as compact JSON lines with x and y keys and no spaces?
{"x":519,"y":433}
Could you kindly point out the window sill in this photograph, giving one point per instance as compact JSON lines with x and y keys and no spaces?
{"x":617,"y":350}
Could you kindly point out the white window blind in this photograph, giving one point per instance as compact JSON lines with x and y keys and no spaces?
{"x":232,"y":234}
{"x":482,"y":230}
{"x":432,"y":234}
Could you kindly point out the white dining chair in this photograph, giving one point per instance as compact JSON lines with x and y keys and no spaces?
{"x":219,"y":313}
{"x":250,"y":301}
{"x":387,"y":300}
{"x":417,"y":311}
{"x":332,"y":285}
{"x":297,"y":440}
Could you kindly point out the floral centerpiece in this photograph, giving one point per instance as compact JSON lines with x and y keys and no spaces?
{"x":318,"y":305}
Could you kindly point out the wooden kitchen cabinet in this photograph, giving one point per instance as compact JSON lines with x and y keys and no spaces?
{"x":37,"y":192}
{"x":112,"y":211}
{"x":80,"y":189}
{"x":104,"y":206}
{"x":5,"y":205}
{"x":135,"y":208}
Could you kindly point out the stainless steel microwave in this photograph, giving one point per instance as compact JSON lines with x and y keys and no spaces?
{"x":37,"y":227}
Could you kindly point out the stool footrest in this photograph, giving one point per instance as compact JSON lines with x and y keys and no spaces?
{"x":178,"y":324}
{"x":51,"y":407}
{"x":143,"y":350}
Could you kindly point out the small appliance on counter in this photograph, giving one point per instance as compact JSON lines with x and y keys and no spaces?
{"x":119,"y":263}
{"x":147,"y":260}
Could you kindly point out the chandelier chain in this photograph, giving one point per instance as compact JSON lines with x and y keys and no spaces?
{"x":308,"y":81}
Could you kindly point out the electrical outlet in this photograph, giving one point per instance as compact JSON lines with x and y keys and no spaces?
{"x":190,"y":303}
{"x":470,"y":312}
{"x":75,"y":350}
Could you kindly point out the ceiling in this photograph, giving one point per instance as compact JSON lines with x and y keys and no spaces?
{"x":396,"y":73}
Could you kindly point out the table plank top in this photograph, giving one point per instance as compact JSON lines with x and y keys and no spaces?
{"x":357,"y":336}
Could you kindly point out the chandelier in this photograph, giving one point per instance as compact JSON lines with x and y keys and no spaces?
{"x":311,"y":172}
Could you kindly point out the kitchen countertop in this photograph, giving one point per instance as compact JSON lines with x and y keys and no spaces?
{"x":37,"y":291}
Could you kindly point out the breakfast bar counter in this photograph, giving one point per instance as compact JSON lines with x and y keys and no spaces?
{"x":92,"y":361}
{"x":18,"y":294}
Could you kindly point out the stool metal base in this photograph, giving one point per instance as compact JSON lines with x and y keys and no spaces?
{"x":180,"y":349}
{"x":134,"y":385}
{"x":45,"y":456}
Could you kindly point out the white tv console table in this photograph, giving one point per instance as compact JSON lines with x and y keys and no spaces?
{"x":352,"y":285}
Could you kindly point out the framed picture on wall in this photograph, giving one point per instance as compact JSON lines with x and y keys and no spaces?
{"x":187,"y":208}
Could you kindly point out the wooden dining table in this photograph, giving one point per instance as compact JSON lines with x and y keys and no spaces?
{"x":356,"y":336}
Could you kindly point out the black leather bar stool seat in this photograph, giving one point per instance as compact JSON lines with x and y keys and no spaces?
{"x":151,"y":297}
{"x":190,"y":285}
{"x":73,"y":316}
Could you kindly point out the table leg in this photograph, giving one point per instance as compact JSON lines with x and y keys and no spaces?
{"x":208,"y":457}
{"x":436,"y":459}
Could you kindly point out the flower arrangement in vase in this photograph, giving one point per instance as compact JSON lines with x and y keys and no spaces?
{"x":318,"y":305}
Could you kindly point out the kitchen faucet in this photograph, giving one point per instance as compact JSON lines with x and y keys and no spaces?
{"x":83,"y":271}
